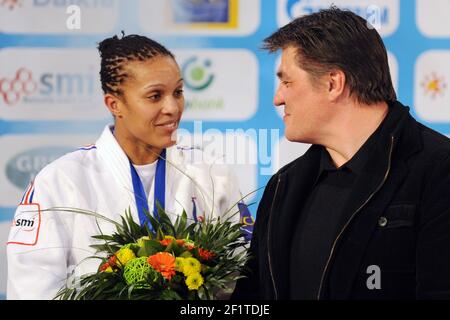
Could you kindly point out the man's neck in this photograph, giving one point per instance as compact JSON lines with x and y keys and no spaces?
{"x":352,"y":130}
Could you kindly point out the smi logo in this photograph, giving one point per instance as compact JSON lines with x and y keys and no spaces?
{"x":22,"y":85}
{"x":11,"y":4}
{"x":23,"y":223}
{"x":50,"y":87}
{"x":196,"y":74}
{"x":27,"y":224}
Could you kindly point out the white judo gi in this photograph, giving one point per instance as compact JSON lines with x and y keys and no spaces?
{"x":46,"y":247}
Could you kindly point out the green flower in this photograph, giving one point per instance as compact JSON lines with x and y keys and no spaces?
{"x":139,"y":273}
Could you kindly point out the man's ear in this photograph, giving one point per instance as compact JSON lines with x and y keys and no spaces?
{"x":336,"y":82}
{"x":114,"y":104}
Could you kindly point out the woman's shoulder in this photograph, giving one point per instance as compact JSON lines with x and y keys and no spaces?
{"x":69,"y":164}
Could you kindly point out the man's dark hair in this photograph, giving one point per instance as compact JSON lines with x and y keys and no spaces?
{"x":115,"y":53}
{"x":339,"y":39}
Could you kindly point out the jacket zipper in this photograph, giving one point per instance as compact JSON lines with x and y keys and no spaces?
{"x":268,"y":241}
{"x":353,"y":215}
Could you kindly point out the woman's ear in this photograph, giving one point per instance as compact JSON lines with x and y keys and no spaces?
{"x":113,"y":104}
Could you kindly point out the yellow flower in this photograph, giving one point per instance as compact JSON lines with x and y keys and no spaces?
{"x":179,"y":264}
{"x":141,"y":240}
{"x":191,"y":266}
{"x":109,"y":269}
{"x":124,"y":255}
{"x":194,"y":281}
{"x":194,"y":263}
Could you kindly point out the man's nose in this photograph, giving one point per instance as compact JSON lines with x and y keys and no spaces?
{"x":278,"y":100}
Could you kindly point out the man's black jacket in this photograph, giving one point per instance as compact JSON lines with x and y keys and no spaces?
{"x":400,"y":221}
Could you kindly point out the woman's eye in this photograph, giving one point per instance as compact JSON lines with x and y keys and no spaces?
{"x":179,"y":92}
{"x":285,"y":83}
{"x":155,"y":97}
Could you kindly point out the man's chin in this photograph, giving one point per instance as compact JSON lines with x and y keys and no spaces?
{"x":297,"y":138}
{"x":293,"y":137}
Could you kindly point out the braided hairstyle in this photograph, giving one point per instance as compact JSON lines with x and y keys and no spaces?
{"x":115,"y":53}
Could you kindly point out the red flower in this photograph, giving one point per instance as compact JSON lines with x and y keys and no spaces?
{"x":205,"y":254}
{"x":112,"y":261}
{"x":104,"y":266}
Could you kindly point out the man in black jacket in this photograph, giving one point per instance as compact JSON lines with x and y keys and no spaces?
{"x":365,"y":212}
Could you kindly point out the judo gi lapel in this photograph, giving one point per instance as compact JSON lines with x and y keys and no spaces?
{"x":178,"y":183}
{"x":117,"y":162}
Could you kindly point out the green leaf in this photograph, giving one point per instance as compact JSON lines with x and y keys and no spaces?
{"x":150,"y":247}
{"x":186,"y":254}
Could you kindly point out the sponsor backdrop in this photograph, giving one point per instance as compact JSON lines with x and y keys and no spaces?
{"x":51,"y":100}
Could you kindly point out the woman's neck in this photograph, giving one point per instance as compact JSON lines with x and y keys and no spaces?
{"x":138,"y":152}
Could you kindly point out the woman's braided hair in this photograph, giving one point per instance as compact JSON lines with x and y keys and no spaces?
{"x":115,"y":53}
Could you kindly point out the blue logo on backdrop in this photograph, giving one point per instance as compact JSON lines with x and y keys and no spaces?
{"x":23,"y":167}
{"x":200,"y":11}
{"x":311,"y":6}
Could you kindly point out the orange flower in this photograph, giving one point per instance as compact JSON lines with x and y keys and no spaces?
{"x":205,"y":254}
{"x":165,"y":242}
{"x":164,"y":263}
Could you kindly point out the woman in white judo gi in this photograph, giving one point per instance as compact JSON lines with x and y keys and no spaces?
{"x":134,"y":162}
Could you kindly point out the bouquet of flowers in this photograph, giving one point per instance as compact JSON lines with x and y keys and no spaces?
{"x":167,"y":261}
